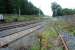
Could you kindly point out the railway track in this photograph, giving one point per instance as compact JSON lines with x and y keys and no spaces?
{"x":61,"y":38}
{"x":66,"y":38}
{"x":11,"y":29}
{"x":16,"y":25}
{"x":69,"y":40}
{"x":64,"y":43}
{"x":5,"y":40}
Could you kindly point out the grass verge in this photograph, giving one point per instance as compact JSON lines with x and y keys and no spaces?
{"x":9,"y":19}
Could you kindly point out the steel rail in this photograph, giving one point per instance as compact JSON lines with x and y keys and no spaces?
{"x":63,"y":42}
{"x":65,"y":47}
{"x":6,"y":44}
{"x":20,"y":30}
{"x":16,"y":26}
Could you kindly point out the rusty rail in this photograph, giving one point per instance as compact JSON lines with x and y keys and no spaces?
{"x":63,"y":42}
{"x":61,"y":38}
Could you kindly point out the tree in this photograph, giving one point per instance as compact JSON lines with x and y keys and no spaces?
{"x":59,"y":11}
{"x":8,"y":6}
{"x":20,"y":7}
{"x":67,"y":11}
{"x":56,"y":8}
{"x":2,"y":6}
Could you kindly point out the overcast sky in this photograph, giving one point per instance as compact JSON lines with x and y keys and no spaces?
{"x":45,"y":5}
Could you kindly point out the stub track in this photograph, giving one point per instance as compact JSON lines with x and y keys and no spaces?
{"x":65,"y":47}
{"x":61,"y":38}
{"x":4,"y":41}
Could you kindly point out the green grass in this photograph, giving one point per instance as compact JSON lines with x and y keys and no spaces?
{"x":50,"y":32}
{"x":9,"y":19}
{"x":66,"y":26}
{"x":48,"y":36}
{"x":35,"y":46}
{"x":71,"y":29}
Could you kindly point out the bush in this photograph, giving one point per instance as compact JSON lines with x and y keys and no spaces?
{"x":10,"y":19}
{"x":21,"y":18}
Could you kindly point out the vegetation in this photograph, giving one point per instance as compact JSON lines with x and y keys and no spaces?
{"x":56,"y":8}
{"x":67,"y":11}
{"x":21,"y":18}
{"x":59,"y":11}
{"x":47,"y":39}
{"x":13,"y":10}
{"x":21,"y":7}
{"x":70,"y":28}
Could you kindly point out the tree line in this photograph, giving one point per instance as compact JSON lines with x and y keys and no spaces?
{"x":59,"y":11}
{"x":18,"y":7}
